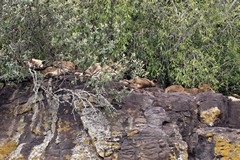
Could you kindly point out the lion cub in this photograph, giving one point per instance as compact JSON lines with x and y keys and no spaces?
{"x":35,"y":63}
{"x":93,"y":69}
{"x":139,"y":83}
{"x":55,"y":68}
{"x":174,"y":88}
{"x":113,"y":68}
{"x":178,"y":88}
{"x":205,"y":88}
{"x":191,"y":90}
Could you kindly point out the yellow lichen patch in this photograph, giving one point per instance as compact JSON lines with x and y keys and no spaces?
{"x":66,"y":111}
{"x":80,"y":152}
{"x":8,"y":148}
{"x":45,"y":124}
{"x":104,"y":143}
{"x":108,"y":153}
{"x":209,"y":139}
{"x":64,"y":126}
{"x":68,"y":157}
{"x":86,"y":142}
{"x":210,"y":116}
{"x":105,"y":153}
{"x":115,"y":156}
{"x":182,"y":150}
{"x":132,"y":133}
{"x":64,"y":129}
{"x":37,"y":131}
{"x":117,"y":134}
{"x":209,"y":134}
{"x":227,"y":149}
{"x":173,"y":156}
{"x":114,"y":145}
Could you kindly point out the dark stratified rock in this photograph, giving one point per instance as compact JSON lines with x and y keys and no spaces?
{"x":218,"y":143}
{"x":152,"y":113}
{"x":148,"y":124}
{"x":213,"y":108}
{"x":234,"y":113}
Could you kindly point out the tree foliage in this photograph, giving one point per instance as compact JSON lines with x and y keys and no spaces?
{"x":179,"y":42}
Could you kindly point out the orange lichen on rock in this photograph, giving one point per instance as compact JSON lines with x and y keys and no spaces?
{"x":226,"y":149}
{"x":226,"y":145}
{"x":8,"y":148}
{"x":132,"y":133}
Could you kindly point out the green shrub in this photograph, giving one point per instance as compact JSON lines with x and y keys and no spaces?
{"x":176,"y":42}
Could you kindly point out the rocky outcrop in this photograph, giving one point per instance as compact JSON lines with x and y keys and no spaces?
{"x":72,"y":123}
{"x":218,"y":143}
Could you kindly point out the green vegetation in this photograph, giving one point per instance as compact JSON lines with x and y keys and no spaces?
{"x":179,"y":42}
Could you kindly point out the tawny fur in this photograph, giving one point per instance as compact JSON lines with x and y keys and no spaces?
{"x":205,"y":88}
{"x":93,"y":69}
{"x":174,"y":88}
{"x":139,"y":83}
{"x":55,"y":68}
{"x":191,"y":90}
{"x":179,"y":88}
{"x":52,"y":71}
{"x":64,"y":65}
{"x":35,"y":63}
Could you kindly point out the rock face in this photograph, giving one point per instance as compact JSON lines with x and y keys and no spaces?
{"x":148,"y":124}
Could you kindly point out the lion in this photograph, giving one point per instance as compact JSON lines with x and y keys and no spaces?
{"x":55,"y":68}
{"x":139,"y":83}
{"x":191,"y":90}
{"x":205,"y":88}
{"x":93,"y":69}
{"x":178,"y":88}
{"x":174,"y":88}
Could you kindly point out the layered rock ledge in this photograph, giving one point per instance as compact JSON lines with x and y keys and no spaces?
{"x":148,"y":124}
